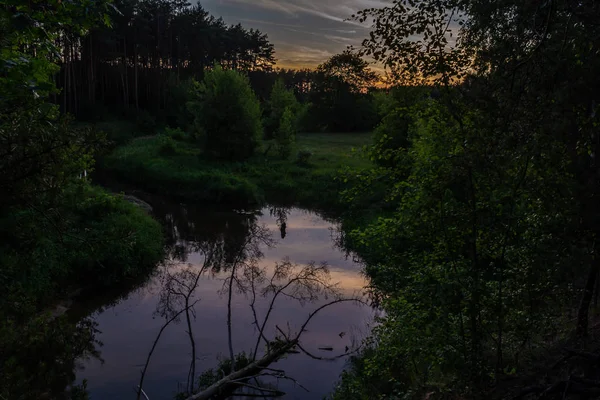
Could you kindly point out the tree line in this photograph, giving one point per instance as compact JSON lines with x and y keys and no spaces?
{"x":147,"y":46}
{"x":138,"y":64}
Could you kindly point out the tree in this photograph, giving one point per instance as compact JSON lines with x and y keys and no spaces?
{"x":493,"y":225}
{"x":49,"y":214}
{"x":340,"y":94}
{"x":227,"y":115}
{"x":285,"y":137}
{"x":127,"y":65}
{"x":349,"y":69}
{"x":281,"y":99}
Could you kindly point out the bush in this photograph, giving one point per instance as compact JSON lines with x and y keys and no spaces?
{"x":286,"y":134}
{"x":391,"y":135}
{"x":303,"y":118}
{"x":179,"y":93}
{"x":281,"y":100}
{"x":227,"y":115}
{"x":175,"y":133}
{"x":166,"y":146}
{"x":118,"y":131}
{"x":303,"y":157}
{"x":146,"y":123}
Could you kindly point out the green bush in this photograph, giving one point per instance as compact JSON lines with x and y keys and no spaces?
{"x":179,"y":93}
{"x":227,"y":116}
{"x":286,"y":134}
{"x":175,"y":133}
{"x":146,"y":123}
{"x":281,"y":100}
{"x":390,"y":136}
{"x":166,"y":145}
{"x":303,"y":157}
{"x":118,"y":131}
{"x":303,"y":118}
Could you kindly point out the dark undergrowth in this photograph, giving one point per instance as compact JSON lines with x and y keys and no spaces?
{"x":88,"y":238}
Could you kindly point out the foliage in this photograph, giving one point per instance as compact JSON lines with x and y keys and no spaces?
{"x":227,"y":115}
{"x":39,"y":356}
{"x":303,"y":157}
{"x":340,"y":95}
{"x":285,"y":137}
{"x":88,"y":238}
{"x":281,"y":99}
{"x":482,"y":241}
{"x":211,"y":375}
{"x":88,"y":235}
{"x":175,"y":134}
{"x":151,"y":49}
{"x":187,"y":175}
{"x":349,"y":69}
{"x":146,"y":123}
{"x":166,"y":145}
{"x":179,"y":93}
{"x":57,"y":232}
{"x":118,"y":131}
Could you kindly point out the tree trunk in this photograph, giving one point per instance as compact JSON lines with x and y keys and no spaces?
{"x":135,"y":73}
{"x":252,"y":369}
{"x":586,"y":298}
{"x":74,"y":81}
{"x":92,"y":79}
{"x":126,"y":79}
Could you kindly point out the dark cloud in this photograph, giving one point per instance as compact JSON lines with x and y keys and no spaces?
{"x":305,"y":32}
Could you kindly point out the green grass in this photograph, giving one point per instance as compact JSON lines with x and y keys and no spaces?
{"x":178,"y":169}
{"x":332,"y":150}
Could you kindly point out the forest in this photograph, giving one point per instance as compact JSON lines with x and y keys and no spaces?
{"x":454,"y":152}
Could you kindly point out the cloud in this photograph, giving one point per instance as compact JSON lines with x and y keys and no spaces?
{"x":305,"y":32}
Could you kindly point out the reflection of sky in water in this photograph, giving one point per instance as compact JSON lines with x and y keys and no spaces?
{"x":129,"y":329}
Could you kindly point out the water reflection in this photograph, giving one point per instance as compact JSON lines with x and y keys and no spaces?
{"x":233,"y":265}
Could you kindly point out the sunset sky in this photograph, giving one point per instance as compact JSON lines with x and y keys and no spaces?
{"x":305,"y":32}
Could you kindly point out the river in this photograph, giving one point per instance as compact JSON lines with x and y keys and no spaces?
{"x":210,"y":245}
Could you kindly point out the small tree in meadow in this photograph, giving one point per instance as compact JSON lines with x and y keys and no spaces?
{"x":280,"y":100}
{"x":227,"y":115}
{"x":286,"y":133}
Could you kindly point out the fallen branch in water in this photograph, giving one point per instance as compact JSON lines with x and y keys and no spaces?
{"x":256,"y":367}
{"x":248,"y":371}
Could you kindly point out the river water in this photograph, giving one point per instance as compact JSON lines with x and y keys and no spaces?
{"x":214,"y":246}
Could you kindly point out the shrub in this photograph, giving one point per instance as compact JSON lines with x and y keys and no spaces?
{"x":166,"y":146}
{"x":304,"y":123}
{"x":175,"y":133}
{"x":118,"y":131}
{"x":145,"y":122}
{"x":286,"y":134}
{"x":179,"y":93}
{"x":227,"y":115}
{"x":391,"y":135}
{"x":281,"y":100}
{"x":303,"y":157}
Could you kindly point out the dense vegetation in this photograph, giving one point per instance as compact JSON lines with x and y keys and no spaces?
{"x":487,"y":265}
{"x":310,"y":178}
{"x":473,"y":204}
{"x":58,"y":233}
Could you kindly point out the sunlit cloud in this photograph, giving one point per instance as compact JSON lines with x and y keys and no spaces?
{"x":305,"y":32}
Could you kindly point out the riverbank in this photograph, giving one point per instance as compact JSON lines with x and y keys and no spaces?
{"x":309,"y":178}
{"x":86,"y":237}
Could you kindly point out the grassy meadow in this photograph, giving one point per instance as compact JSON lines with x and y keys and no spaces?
{"x":161,"y":164}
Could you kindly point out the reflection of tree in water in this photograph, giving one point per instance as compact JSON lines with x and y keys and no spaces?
{"x":281,"y":215}
{"x":40,"y":356}
{"x":191,"y":229}
{"x":231,"y":244}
